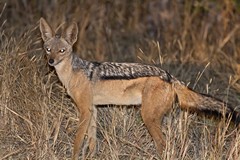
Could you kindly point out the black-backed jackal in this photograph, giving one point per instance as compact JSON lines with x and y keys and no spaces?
{"x":92,"y":83}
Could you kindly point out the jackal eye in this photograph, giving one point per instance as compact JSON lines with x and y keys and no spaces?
{"x":62,"y":50}
{"x":48,"y":50}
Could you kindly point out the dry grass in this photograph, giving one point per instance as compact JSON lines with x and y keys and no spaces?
{"x":38,"y":120}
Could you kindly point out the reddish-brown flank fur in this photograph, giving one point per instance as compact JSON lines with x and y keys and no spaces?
{"x":90,"y":84}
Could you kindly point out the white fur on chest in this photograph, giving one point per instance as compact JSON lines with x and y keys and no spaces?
{"x":63,"y":73}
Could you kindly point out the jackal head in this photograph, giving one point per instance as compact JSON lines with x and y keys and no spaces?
{"x":58,"y":46}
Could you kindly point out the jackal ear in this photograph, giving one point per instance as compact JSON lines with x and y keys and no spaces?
{"x":71,"y":33}
{"x":45,"y":29}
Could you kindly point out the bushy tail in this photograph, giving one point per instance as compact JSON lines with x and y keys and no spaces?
{"x":191,"y":100}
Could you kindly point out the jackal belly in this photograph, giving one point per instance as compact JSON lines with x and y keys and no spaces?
{"x":123,"y":99}
{"x":119,"y":92}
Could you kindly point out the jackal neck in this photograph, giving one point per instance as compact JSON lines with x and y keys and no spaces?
{"x":63,"y":70}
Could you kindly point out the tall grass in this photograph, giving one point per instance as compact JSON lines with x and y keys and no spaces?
{"x":197,"y":41}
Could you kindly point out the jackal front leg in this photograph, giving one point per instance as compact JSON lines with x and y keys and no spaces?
{"x":89,"y":148}
{"x":84,"y":120}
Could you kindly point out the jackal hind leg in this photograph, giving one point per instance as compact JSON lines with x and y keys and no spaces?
{"x":89,"y":148}
{"x":158,"y":98}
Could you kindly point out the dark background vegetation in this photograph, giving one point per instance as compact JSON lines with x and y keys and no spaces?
{"x":196,"y":41}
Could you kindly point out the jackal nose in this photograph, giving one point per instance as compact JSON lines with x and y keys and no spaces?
{"x":50,"y":61}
